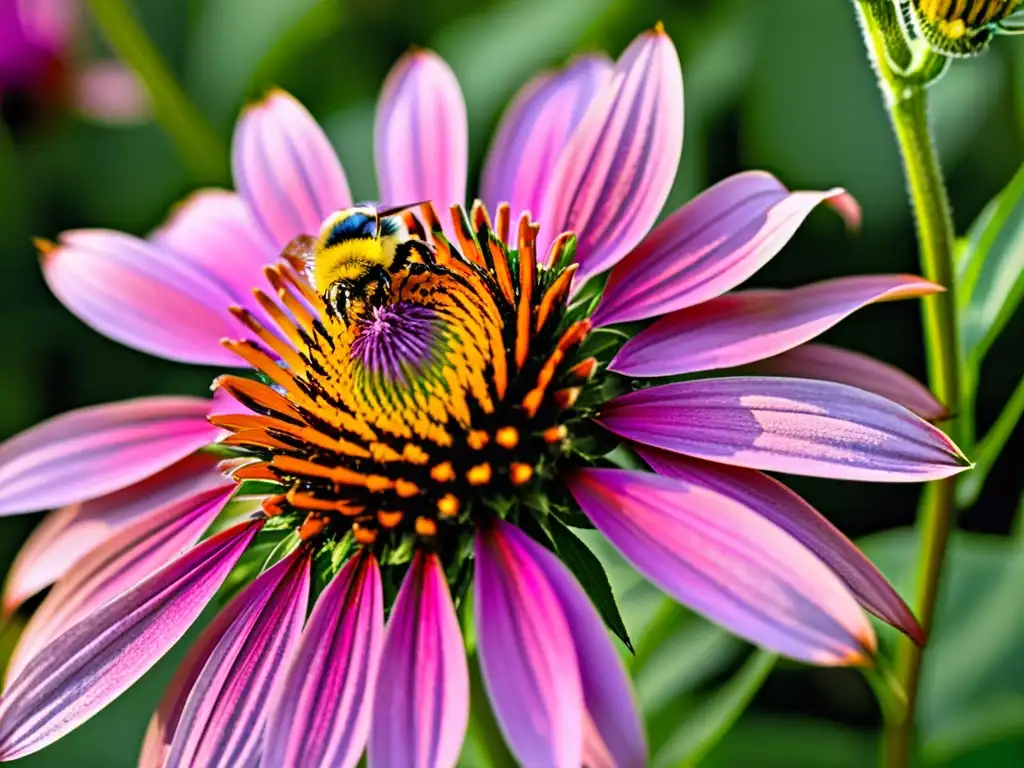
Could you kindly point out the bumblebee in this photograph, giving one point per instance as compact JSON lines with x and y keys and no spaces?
{"x":358,"y":249}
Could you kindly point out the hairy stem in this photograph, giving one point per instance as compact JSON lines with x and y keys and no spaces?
{"x":193,"y":137}
{"x":906,"y":101}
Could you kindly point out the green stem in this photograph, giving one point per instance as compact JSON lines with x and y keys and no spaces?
{"x":193,"y":137}
{"x":906,"y":102}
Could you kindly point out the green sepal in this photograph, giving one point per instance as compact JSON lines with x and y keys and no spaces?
{"x":269,"y":547}
{"x":591,"y":575}
{"x":258,"y":488}
{"x":330,"y":558}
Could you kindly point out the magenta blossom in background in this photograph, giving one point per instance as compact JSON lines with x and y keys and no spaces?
{"x":38,"y":59}
{"x":393,"y":441}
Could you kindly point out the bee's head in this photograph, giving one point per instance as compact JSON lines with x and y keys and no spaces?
{"x":350,"y":224}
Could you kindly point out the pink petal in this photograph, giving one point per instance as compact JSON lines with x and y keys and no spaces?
{"x":143,"y":295}
{"x":93,"y":451}
{"x":321,"y":711}
{"x":615,"y":174}
{"x":613,"y":719}
{"x":116,"y":566}
{"x":156,"y":746}
{"x":527,"y":652}
{"x":707,"y":247}
{"x":421,"y":707}
{"x":68,"y":534}
{"x":96,"y":660}
{"x":535,"y":129}
{"x":742,"y":327}
{"x":420,"y":138}
{"x":285,"y":168}
{"x":773,"y":501}
{"x":798,"y":426}
{"x":820,"y":361}
{"x":111,"y":93}
{"x":727,"y":563}
{"x":225,"y":715}
{"x":216,"y":230}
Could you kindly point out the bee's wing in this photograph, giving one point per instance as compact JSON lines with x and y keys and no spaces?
{"x":399,"y":208}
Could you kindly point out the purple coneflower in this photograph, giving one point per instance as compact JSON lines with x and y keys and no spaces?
{"x":443,"y":442}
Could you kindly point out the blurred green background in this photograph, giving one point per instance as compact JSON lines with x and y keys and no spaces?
{"x":776,"y":84}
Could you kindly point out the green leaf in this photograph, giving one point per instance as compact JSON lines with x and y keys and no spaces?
{"x":713,"y":715}
{"x":588,"y":569}
{"x":793,"y":742}
{"x":991,"y":279}
{"x":972,"y":685}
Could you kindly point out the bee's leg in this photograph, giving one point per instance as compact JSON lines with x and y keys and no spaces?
{"x":377,"y":284}
{"x":337,"y":298}
{"x":409,"y":248}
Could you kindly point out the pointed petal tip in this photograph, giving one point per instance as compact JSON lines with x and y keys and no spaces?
{"x":45,"y":247}
{"x":846,"y":205}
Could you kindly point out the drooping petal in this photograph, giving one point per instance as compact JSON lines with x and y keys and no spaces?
{"x":742,"y":327}
{"x":798,"y":426}
{"x":116,"y":566}
{"x":216,"y":230}
{"x":71,"y":532}
{"x":225,"y":715}
{"x":527,"y":652}
{"x":321,"y":711}
{"x":143,"y":295}
{"x":96,"y":660}
{"x":707,"y":247}
{"x":727,"y":563}
{"x":616,"y":172}
{"x":94,"y":451}
{"x":821,"y":361}
{"x":421,"y":707}
{"x":607,"y":692}
{"x":420,"y":137}
{"x":773,"y":501}
{"x":535,"y":129}
{"x":285,"y":168}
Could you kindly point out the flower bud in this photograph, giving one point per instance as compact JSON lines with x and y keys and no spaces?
{"x":961,"y":27}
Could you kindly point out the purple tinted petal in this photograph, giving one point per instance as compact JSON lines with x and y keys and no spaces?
{"x":742,"y":327}
{"x":707,"y":247}
{"x":116,"y":566}
{"x":216,"y":230}
{"x":775,"y":502}
{"x":96,"y":660}
{"x":143,"y":295}
{"x":71,"y":532}
{"x":163,"y":725}
{"x":607,"y":691}
{"x":616,"y":172}
{"x":321,"y":711}
{"x":285,"y":168}
{"x":820,"y":361}
{"x":798,"y":426}
{"x":421,"y":707}
{"x":93,"y":451}
{"x":527,"y":652}
{"x":535,"y":129}
{"x":727,"y":563}
{"x":223,"y":721}
{"x":420,"y":138}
